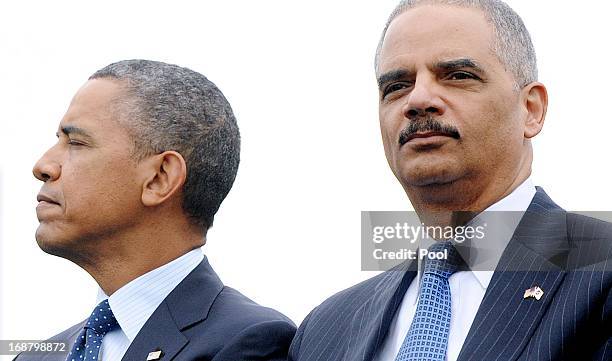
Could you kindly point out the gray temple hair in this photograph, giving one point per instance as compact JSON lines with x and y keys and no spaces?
{"x":512,"y":44}
{"x":168,"y":107}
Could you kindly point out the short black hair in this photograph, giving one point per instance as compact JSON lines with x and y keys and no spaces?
{"x":169,"y":107}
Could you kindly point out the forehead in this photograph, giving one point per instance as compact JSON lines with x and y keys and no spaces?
{"x":93,"y":106}
{"x":432,"y":33}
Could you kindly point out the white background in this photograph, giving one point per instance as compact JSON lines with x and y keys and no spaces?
{"x":299,"y":76}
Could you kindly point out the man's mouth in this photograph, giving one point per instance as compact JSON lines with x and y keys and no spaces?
{"x":427,"y":128}
{"x":426,"y":135}
{"x":45,"y":198}
{"x":407,"y":137}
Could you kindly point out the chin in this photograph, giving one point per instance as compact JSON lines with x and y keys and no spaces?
{"x":428,"y":173}
{"x":53,"y":244}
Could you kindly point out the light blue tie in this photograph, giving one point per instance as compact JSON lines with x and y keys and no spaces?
{"x":87,"y":345}
{"x":427,"y":337}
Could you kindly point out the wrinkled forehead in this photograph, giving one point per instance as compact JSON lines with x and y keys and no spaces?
{"x":433,"y":33}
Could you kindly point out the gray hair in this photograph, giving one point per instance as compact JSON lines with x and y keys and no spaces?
{"x":512,"y":44}
{"x":169,"y":107}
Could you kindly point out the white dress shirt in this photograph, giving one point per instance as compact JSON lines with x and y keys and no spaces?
{"x":136,"y":301}
{"x":467,"y":287}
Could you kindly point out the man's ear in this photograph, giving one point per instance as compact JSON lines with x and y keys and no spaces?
{"x":166,"y":175}
{"x":535,"y":100}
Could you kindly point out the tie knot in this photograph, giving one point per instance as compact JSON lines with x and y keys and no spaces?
{"x":102,"y":319}
{"x":447,"y":262}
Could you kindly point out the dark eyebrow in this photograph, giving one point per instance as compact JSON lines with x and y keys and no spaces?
{"x":459,"y":64}
{"x":393,"y":75}
{"x":70,"y":129}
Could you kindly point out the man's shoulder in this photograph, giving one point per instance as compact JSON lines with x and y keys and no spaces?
{"x":588,"y":226}
{"x":590,"y":242}
{"x":237,"y":326}
{"x":570,"y":240}
{"x":202,"y":296}
{"x":353,"y":299}
{"x":238,"y":309}
{"x":355,"y":316}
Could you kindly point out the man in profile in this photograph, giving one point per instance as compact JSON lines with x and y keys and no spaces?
{"x":459,"y":103}
{"x":146,"y":153}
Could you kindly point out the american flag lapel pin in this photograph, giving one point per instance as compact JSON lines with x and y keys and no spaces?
{"x":535,"y":292}
{"x":155,"y":355}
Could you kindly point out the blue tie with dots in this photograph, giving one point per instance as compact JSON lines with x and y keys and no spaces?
{"x":427,"y":337}
{"x":88,"y":342}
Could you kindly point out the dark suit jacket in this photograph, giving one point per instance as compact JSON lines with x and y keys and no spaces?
{"x":569,"y":256}
{"x":201,"y":319}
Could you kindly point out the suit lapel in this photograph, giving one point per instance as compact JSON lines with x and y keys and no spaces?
{"x":535,"y":256}
{"x":371,"y":323}
{"x":187,"y":304}
{"x":159,"y":333}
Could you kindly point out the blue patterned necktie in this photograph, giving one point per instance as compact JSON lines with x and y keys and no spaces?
{"x":427,"y":337}
{"x":88,"y":342}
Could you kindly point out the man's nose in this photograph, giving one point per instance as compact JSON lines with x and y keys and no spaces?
{"x":424,"y":99}
{"x":47,"y":168}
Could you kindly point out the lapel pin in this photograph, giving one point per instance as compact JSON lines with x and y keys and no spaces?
{"x":535,"y":292}
{"x":155,"y":355}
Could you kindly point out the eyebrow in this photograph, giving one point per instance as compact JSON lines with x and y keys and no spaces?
{"x":459,"y":64}
{"x":71,"y":129}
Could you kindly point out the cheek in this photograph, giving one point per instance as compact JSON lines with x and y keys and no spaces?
{"x":495,"y":129}
{"x":390,"y":126}
{"x":99,"y":194}
{"x":507,"y":131}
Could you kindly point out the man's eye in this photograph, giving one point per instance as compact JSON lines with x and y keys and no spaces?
{"x":393,"y":88}
{"x":74,"y":142}
{"x":461,"y":75}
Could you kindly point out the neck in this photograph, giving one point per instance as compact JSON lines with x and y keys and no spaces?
{"x":127,"y":256}
{"x":456,"y":203}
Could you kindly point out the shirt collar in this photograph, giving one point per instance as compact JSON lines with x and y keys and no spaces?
{"x":502,"y":225}
{"x":136,"y":301}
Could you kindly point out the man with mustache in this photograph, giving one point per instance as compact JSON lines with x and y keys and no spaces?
{"x":459,"y":104}
{"x":145,"y":155}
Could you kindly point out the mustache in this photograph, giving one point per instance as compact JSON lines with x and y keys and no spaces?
{"x":427,"y":125}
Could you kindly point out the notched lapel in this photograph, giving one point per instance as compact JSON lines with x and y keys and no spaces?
{"x":159,"y":333}
{"x":192,"y":299}
{"x":534,"y":257}
{"x":187,"y":304}
{"x":374,"y":319}
{"x":506,"y":320}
